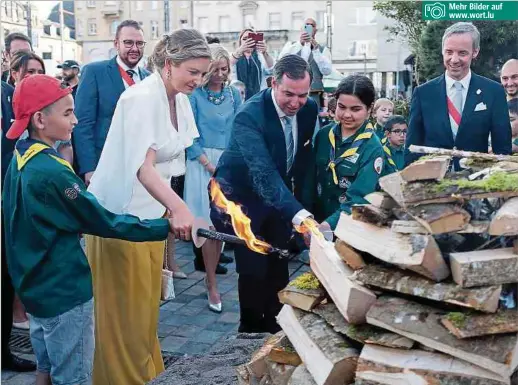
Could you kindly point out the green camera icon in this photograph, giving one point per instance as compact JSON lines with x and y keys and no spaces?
{"x":435,"y":10}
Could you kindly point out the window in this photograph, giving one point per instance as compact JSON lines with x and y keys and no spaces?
{"x":224,"y":23}
{"x":154,"y":5}
{"x":274,"y":20}
{"x":46,"y":55}
{"x":138,"y":5}
{"x":79,"y":27}
{"x":154,"y":30}
{"x":113,"y":27}
{"x":365,"y":16}
{"x":203,"y":24}
{"x":92,"y":27}
{"x":110,"y":3}
{"x":297,"y":19}
{"x":321,"y":20}
{"x":90,"y":4}
{"x":363,"y":47}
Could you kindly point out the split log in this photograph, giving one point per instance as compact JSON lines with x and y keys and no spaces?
{"x":364,"y":333}
{"x":426,"y":169}
{"x":497,"y":353}
{"x":301,"y":376}
{"x":463,"y":325}
{"x":284,"y":353}
{"x":415,"y":252}
{"x":446,"y":191}
{"x":515,"y":246}
{"x":326,"y":354}
{"x":381,"y":200}
{"x":414,"y":227}
{"x":353,"y":259}
{"x":461,"y":154}
{"x":484,"y":267}
{"x":505,"y":222}
{"x":305,"y":299}
{"x":370,"y":214}
{"x":384,"y":366}
{"x":257,"y":365}
{"x":351,"y":299}
{"x":441,"y":218}
{"x":479,"y":298}
{"x":279,"y":373}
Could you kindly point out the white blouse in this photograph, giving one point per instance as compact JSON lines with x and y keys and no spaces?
{"x":141,"y":121}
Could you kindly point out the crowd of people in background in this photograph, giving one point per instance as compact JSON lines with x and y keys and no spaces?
{"x":147,"y":143}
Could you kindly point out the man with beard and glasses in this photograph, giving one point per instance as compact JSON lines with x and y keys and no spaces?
{"x":459,"y":109}
{"x":100,"y":87}
{"x":70,"y":74}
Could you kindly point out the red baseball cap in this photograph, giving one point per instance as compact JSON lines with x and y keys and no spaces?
{"x":32,"y":95}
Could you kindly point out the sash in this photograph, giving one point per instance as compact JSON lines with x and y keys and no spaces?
{"x":353,"y":150}
{"x":454,"y":113}
{"x":129,"y":80}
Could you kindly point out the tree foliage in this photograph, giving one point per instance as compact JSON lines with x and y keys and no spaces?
{"x":498,"y":43}
{"x":499,"y":39}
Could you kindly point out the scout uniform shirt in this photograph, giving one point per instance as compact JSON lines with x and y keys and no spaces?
{"x":394,"y":157}
{"x":379,"y":130}
{"x":45,"y":207}
{"x":346,"y":170}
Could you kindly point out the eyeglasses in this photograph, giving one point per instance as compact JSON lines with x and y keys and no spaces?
{"x":131,"y":43}
{"x":399,"y":132}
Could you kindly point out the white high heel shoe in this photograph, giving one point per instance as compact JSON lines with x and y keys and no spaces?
{"x":214,"y":307}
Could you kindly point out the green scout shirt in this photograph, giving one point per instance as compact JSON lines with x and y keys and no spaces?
{"x":356,"y":175}
{"x":394,"y":157}
{"x":379,"y":130}
{"x":45,"y":207}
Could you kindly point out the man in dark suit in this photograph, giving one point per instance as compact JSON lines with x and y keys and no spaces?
{"x":460,"y":108}
{"x":263,"y":170}
{"x":9,"y":360}
{"x":100,"y":88}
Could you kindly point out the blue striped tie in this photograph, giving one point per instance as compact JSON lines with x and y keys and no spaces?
{"x":290,"y":145}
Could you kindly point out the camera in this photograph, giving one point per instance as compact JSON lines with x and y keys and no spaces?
{"x":435,"y":10}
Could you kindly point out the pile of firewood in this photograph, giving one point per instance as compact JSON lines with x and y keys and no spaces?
{"x":417,"y":289}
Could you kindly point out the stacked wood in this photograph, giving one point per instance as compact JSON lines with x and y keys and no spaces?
{"x":444,"y":280}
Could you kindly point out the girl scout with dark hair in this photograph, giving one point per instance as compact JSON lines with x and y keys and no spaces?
{"x":349,"y":157}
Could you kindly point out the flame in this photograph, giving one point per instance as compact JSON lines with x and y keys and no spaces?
{"x":311,"y":226}
{"x":240,"y":222}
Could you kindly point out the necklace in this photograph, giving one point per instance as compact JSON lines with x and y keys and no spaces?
{"x":215,"y":97}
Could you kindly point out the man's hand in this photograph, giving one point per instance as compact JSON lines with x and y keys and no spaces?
{"x":88,"y":177}
{"x":304,"y":38}
{"x":180,"y":222}
{"x":261,"y":46}
{"x":314,"y":44}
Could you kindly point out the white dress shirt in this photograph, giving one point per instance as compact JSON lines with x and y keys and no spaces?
{"x":323,"y":59}
{"x":136,"y":77}
{"x":302,"y":214}
{"x":450,"y":90}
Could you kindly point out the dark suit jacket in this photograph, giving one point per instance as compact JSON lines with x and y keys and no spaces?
{"x":97,"y":95}
{"x":430,"y":122}
{"x":7,"y":116}
{"x":252,"y":171}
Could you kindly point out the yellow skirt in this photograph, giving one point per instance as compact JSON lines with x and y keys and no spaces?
{"x":127,"y":284}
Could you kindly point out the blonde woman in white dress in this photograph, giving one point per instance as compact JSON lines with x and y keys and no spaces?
{"x":152,"y":125}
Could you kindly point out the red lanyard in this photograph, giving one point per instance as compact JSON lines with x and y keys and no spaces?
{"x":128,"y":79}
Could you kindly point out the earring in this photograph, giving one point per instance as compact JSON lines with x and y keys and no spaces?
{"x":168,"y":74}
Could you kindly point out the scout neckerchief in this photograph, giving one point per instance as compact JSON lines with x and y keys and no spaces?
{"x":386,"y":148}
{"x":353,"y":150}
{"x":128,"y":79}
{"x":26,"y":149}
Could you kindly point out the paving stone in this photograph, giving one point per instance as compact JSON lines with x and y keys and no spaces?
{"x":230,"y":305}
{"x":172,"y":306}
{"x":199,"y":301}
{"x":177,"y":320}
{"x":165,"y":314}
{"x":184,"y":298}
{"x":229,"y":317}
{"x":226,"y":287}
{"x":195,"y":348}
{"x":222,"y":327}
{"x":203,"y":319}
{"x":208,"y":336}
{"x":172,"y":343}
{"x":198,"y":275}
{"x":164,"y":330}
{"x":7,"y":374}
{"x":189,"y":310}
{"x":196,"y":290}
{"x":187,"y":331}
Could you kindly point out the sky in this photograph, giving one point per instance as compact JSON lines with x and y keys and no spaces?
{"x":44,"y":7}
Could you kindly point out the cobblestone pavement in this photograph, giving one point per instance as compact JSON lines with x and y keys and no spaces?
{"x":186,"y":325}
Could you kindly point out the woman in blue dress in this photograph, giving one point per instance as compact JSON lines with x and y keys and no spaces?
{"x":214,"y":105}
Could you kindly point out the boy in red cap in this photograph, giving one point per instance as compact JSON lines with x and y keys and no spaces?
{"x":46,"y":206}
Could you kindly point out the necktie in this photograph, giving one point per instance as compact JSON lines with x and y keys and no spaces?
{"x":131,"y":73}
{"x":290,"y":145}
{"x":457,"y":102}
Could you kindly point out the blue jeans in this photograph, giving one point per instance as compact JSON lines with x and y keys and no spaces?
{"x":64,"y":345}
